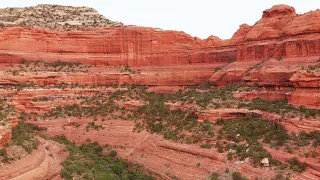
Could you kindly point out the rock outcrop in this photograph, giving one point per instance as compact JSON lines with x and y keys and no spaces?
{"x":271,"y":23}
{"x":5,"y":135}
{"x":54,"y":17}
{"x":43,"y":163}
{"x":281,"y":33}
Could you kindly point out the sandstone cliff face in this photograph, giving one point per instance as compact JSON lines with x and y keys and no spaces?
{"x":303,"y":24}
{"x":285,"y":40}
{"x":239,"y":35}
{"x":42,"y":163}
{"x":7,"y":118}
{"x":271,"y":23}
{"x":134,"y":46}
{"x":279,"y":33}
{"x":5,"y":135}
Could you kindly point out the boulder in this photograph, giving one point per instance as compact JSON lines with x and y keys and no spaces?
{"x":265,"y":162}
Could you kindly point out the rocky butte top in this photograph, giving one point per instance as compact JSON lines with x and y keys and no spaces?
{"x":279,"y":10}
{"x":54,"y":17}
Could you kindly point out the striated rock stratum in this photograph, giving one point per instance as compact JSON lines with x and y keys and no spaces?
{"x":274,"y":52}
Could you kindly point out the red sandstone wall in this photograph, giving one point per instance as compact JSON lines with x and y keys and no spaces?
{"x":134,"y":46}
{"x":5,"y":135}
{"x":280,"y":32}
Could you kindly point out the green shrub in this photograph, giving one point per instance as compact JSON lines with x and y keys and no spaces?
{"x":279,"y":107}
{"x":15,"y":72}
{"x":276,"y":106}
{"x":89,"y":162}
{"x":61,"y":85}
{"x":237,"y":176}
{"x":296,"y":165}
{"x":24,"y":136}
{"x":312,"y":68}
{"x":205,"y":86}
{"x":214,"y":176}
{"x":113,"y":153}
{"x":252,"y":131}
{"x":206,"y":146}
{"x":278,"y":177}
{"x":217,"y":69}
{"x":279,"y":58}
{"x":309,"y":112}
{"x":304,"y":139}
{"x":3,"y":152}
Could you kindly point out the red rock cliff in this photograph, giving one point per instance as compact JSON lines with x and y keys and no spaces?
{"x":175,"y":58}
{"x":280,"y":32}
{"x":134,"y":46}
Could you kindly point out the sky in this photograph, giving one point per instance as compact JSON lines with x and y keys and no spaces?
{"x":200,"y":18}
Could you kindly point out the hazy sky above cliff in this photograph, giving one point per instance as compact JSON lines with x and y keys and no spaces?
{"x":197,"y":17}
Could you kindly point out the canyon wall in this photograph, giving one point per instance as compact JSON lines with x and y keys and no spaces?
{"x":133,"y":46}
{"x":275,"y":52}
{"x":279,"y":33}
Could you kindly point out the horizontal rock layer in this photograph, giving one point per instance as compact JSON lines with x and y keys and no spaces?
{"x":42,"y":163}
{"x":288,"y":42}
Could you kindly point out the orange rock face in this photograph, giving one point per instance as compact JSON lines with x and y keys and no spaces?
{"x":281,"y":33}
{"x":134,"y":46}
{"x":172,"y":58}
{"x":271,"y":23}
{"x":43,"y":163}
{"x":5,"y":135}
